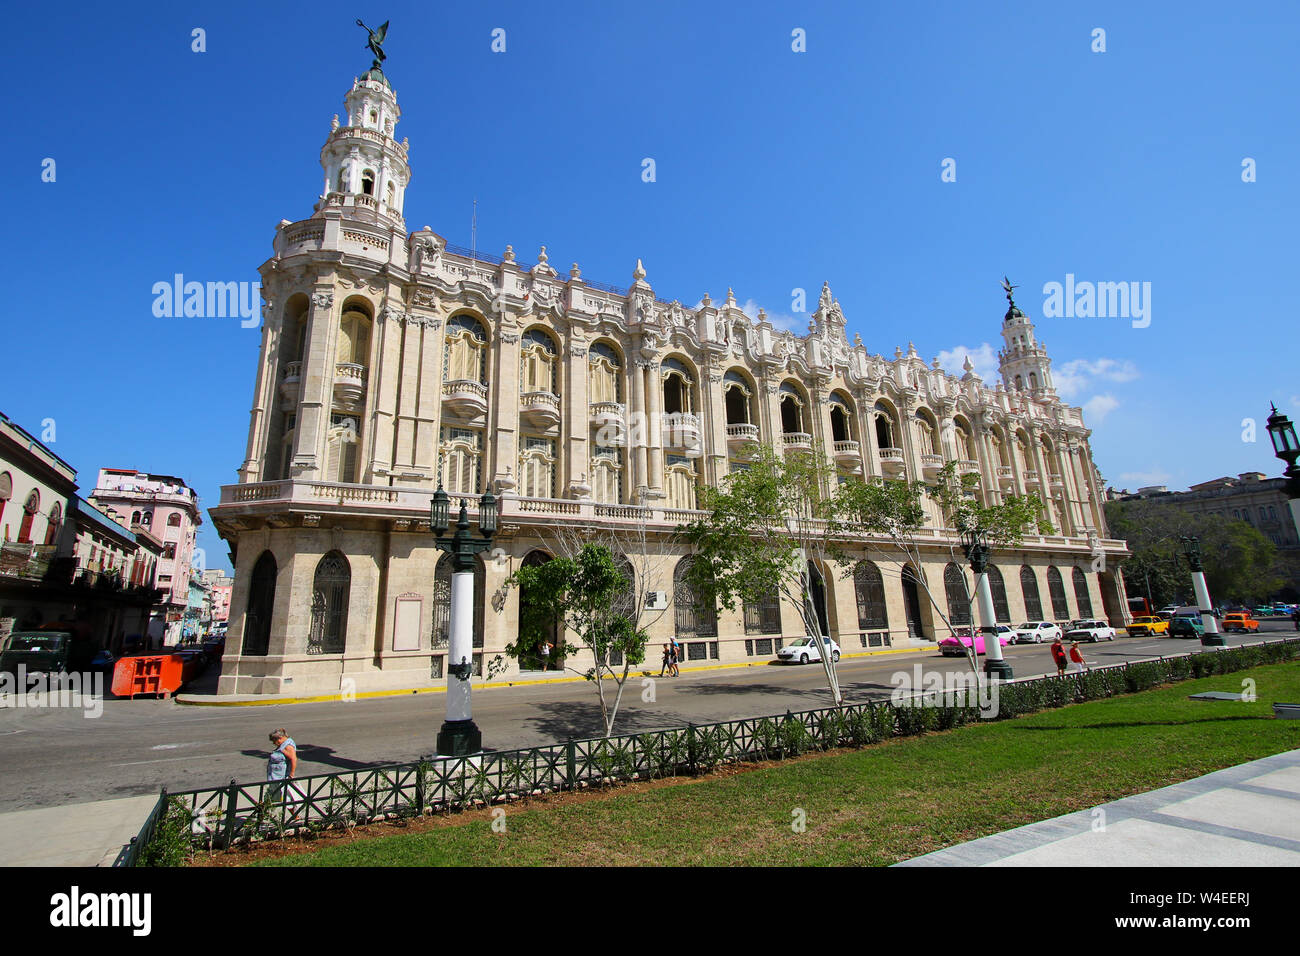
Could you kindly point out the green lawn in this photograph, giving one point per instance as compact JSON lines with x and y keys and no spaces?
{"x":872,"y":806}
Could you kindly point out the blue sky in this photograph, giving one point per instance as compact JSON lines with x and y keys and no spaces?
{"x":775,"y":170}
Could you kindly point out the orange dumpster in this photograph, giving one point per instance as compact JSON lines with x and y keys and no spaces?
{"x":158,"y":674}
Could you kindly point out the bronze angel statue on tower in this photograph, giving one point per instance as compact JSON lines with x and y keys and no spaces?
{"x":376,"y":42}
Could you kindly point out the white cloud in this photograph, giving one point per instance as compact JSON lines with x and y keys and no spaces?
{"x":779,"y":321}
{"x":1098,"y":407}
{"x":1074,"y":377}
{"x":984,"y":357}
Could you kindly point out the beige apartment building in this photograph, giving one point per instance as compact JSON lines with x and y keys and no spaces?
{"x":391,"y":362}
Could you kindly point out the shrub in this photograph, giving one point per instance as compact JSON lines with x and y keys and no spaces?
{"x":170,"y":842}
{"x":794,"y":736}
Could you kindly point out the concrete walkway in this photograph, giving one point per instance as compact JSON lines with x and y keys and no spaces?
{"x":1248,"y":815}
{"x":80,"y":834}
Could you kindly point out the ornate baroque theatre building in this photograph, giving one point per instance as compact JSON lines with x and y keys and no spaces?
{"x":391,"y":361}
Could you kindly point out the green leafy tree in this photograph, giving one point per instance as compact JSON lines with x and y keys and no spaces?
{"x":1241,"y":564}
{"x":893,"y":520}
{"x":587,"y":595}
{"x":760,"y":530}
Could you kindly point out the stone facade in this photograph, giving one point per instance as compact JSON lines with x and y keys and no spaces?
{"x":393,"y":362}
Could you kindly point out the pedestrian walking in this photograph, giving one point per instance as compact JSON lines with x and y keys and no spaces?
{"x":676,"y":656}
{"x":668,"y":660}
{"x":1295,"y":618}
{"x":1058,"y":655}
{"x":1076,"y":657}
{"x":281,"y":768}
{"x":546,"y":655}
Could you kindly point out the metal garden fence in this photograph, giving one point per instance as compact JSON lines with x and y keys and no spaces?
{"x":219,"y":818}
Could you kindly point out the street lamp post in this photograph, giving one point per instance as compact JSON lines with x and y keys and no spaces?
{"x":974,"y":542}
{"x":1211,"y":637}
{"x":1286,"y":447}
{"x":459,"y":735}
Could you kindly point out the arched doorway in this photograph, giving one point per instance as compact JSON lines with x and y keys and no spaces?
{"x":261,"y":600}
{"x":537,"y":633}
{"x":912,"y":604}
{"x":817,"y":598}
{"x":329,"y":605}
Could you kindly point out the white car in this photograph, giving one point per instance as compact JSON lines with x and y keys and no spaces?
{"x":1091,"y":631}
{"x":804,"y":651}
{"x":1035,"y":632}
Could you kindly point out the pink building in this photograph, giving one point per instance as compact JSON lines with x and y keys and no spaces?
{"x":169,"y":510}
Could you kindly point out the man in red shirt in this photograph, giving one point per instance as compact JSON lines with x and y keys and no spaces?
{"x":1058,"y":655}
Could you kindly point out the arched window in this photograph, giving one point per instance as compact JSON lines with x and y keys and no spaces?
{"x":693,"y":617}
{"x":737,"y":396}
{"x":792,"y":410}
{"x":679,"y":387}
{"x":929,"y":432}
{"x":965,"y":440}
{"x":603,"y":373}
{"x":537,"y":468}
{"x":135,"y":517}
{"x":607,"y":475}
{"x":680,"y":479}
{"x":885,"y":426}
{"x":1029,"y":587}
{"x":442,"y":603}
{"x":354,"y":338}
{"x":30,"y":510}
{"x":537,"y":363}
{"x":329,"y":605}
{"x":954,"y":585}
{"x":841,"y":420}
{"x":1081,"y":595}
{"x":54,"y":523}
{"x":174,"y":520}
{"x":763,"y":616}
{"x":466,"y":355}
{"x":870,"y":587}
{"x":461,"y":454}
{"x":998,"y":588}
{"x":368,"y":182}
{"x":1056,"y":589}
{"x":261,"y":602}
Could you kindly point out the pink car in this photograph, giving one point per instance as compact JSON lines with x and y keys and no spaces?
{"x":956,"y":646}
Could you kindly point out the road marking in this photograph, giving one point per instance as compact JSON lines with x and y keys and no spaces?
{"x":171,"y":746}
{"x":133,"y":763}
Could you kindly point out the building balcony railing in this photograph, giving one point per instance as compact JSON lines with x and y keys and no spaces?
{"x":541,"y":409}
{"x":349,"y":383}
{"x":891,"y":460}
{"x":1031,"y":476}
{"x":741,"y":434}
{"x":465,"y":397}
{"x":931,"y":463}
{"x":291,"y":383}
{"x":610,"y":421}
{"x":681,"y":430}
{"x":410,"y":508}
{"x":848,"y":455}
{"x":796,"y":441}
{"x":968,"y":466}
{"x":1006,"y":476}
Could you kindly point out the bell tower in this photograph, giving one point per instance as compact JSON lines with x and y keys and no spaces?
{"x":366,"y":168}
{"x":1023,"y":362}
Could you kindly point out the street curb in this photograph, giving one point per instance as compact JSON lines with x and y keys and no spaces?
{"x":190,"y":701}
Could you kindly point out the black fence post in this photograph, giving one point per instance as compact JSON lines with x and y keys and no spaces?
{"x":228,"y":825}
{"x":571,"y":765}
{"x":690,"y":748}
{"x":419,"y":788}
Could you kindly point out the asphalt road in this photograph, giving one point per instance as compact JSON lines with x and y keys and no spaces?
{"x":57,"y":756}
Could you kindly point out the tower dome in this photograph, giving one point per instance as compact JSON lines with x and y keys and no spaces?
{"x":366,"y":168}
{"x":1023,"y":362}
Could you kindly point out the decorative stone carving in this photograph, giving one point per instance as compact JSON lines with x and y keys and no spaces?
{"x":322,"y":300}
{"x":311,"y":521}
{"x":510,"y":338}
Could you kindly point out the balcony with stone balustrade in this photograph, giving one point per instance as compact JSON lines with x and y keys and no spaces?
{"x":540,"y":409}
{"x":465,"y":398}
{"x":349,"y":384}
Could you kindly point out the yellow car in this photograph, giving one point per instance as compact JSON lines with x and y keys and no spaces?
{"x":1147,"y":627}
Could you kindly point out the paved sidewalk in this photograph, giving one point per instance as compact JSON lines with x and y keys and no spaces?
{"x":1248,"y":815}
{"x":80,"y":834}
